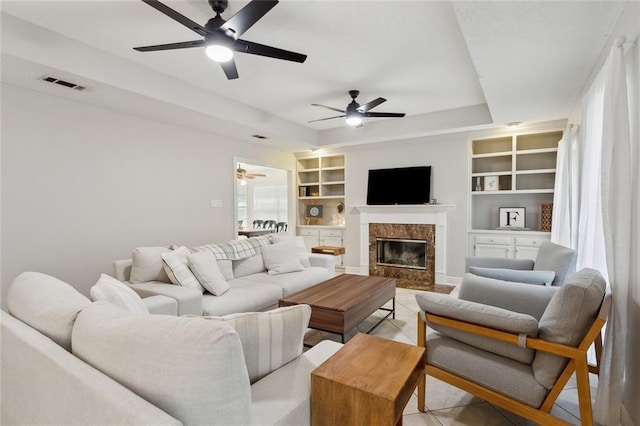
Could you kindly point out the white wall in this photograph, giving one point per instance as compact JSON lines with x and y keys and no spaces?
{"x":447,"y":156}
{"x":84,"y":185}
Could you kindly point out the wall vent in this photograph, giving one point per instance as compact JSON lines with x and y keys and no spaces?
{"x":55,"y":80}
{"x":259,"y":137}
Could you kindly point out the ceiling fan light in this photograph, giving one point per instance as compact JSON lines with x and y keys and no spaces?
{"x":219,"y":53}
{"x":242,"y":182}
{"x":354,"y":120}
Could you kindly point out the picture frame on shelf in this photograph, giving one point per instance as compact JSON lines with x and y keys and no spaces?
{"x":313,"y":211}
{"x":491,"y":183}
{"x":512,"y":217}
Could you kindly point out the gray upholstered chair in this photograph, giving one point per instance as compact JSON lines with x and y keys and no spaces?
{"x":515,"y":346}
{"x":553,"y":264}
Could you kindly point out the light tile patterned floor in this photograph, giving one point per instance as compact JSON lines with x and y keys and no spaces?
{"x":448,"y":405}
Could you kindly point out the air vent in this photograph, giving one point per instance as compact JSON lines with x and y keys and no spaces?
{"x":259,"y":137}
{"x":55,"y":80}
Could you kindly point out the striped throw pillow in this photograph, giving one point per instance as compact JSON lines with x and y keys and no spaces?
{"x":176,"y":266}
{"x":269,"y":339}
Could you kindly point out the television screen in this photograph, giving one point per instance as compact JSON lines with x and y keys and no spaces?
{"x":406,"y":185}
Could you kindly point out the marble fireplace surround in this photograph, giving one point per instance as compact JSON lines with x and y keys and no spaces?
{"x":407,"y":214}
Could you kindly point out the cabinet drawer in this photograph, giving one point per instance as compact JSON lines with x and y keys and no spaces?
{"x":330,"y":233}
{"x":488,"y":239}
{"x":530,"y":241}
{"x":309,"y":233}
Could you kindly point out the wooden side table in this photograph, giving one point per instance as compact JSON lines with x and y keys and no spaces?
{"x":367,"y":382}
{"x":332,"y":250}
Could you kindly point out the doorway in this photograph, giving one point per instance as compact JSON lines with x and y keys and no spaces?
{"x":262,"y":198}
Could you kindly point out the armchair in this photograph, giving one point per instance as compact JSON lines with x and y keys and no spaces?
{"x":553,"y":264}
{"x":512,"y":358}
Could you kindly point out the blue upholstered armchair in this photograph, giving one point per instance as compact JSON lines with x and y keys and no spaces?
{"x":553,"y":264}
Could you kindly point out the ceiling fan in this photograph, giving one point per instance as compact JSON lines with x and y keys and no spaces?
{"x":242,"y":174}
{"x":221,"y":37}
{"x":355,"y":112}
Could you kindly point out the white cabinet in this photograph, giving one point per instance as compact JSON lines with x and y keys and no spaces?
{"x":510,"y":170}
{"x":317,"y":236}
{"x":510,"y":246}
{"x":321,"y":187}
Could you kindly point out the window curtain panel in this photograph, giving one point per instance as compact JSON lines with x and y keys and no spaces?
{"x":565,"y":197}
{"x":618,"y":182}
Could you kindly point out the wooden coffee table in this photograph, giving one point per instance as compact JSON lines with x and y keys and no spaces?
{"x":367,"y":382}
{"x":342,"y":302}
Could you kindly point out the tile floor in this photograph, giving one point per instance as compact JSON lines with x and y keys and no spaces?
{"x":448,"y":405}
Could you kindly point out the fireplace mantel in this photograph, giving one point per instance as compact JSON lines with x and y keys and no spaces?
{"x":412,"y":214}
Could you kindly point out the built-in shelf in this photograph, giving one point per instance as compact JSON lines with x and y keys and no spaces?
{"x":321,"y":182}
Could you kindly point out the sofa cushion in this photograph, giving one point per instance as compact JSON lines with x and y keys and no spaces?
{"x":554,"y":257}
{"x":243,"y":296}
{"x":269,"y":339}
{"x":570,"y":313}
{"x":526,"y":277}
{"x":206,"y":269}
{"x":47,"y":304}
{"x":483,"y":315}
{"x":283,"y":397}
{"x":177,"y":269}
{"x":500,"y":374}
{"x":248,"y":266}
{"x":281,"y":258}
{"x":226,"y":267}
{"x":146,"y":265}
{"x":191,"y":368}
{"x":293,"y":282}
{"x":113,"y":291}
{"x":300,"y":246}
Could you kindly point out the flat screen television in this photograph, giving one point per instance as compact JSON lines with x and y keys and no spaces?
{"x":405,"y":185}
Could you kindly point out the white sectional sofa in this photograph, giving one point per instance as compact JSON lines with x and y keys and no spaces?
{"x":69,"y":361}
{"x":251,"y":287}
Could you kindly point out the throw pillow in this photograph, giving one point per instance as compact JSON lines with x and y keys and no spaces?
{"x":269,"y":339}
{"x":515,"y":275}
{"x":175,"y":264}
{"x":205,"y":268}
{"x":146,"y":265}
{"x":281,"y":258}
{"x":299,"y":241}
{"x":46,"y":304}
{"x":113,"y":291}
{"x":188,"y":367}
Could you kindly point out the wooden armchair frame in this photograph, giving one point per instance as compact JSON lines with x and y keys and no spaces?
{"x":577,"y":362}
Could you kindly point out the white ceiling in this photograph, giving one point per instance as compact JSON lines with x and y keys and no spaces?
{"x":447,"y":65}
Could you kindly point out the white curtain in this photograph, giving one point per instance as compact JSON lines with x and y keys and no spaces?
{"x":566,"y":195}
{"x":608,"y":218}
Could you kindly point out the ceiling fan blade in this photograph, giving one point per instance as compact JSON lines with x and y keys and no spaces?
{"x":383,"y":114}
{"x":369,"y":105}
{"x":193,"y":26}
{"x":328,"y":118}
{"x":271,"y":52}
{"x":247,"y":16}
{"x":255,"y":175}
{"x":328,"y":107}
{"x":170,"y":46}
{"x":230,"y":69}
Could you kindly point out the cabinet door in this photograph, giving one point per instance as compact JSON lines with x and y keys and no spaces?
{"x":492,"y":250}
{"x":524,"y":252}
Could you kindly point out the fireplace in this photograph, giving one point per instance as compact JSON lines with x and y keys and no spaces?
{"x":411,"y":218}
{"x":399,"y":253}
{"x":402,"y":250}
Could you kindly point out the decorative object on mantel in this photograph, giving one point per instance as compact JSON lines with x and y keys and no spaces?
{"x":512,"y":217}
{"x":491,"y":183}
{"x":545,"y":217}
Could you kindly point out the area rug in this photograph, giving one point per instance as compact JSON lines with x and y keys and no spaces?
{"x":417,"y":285}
